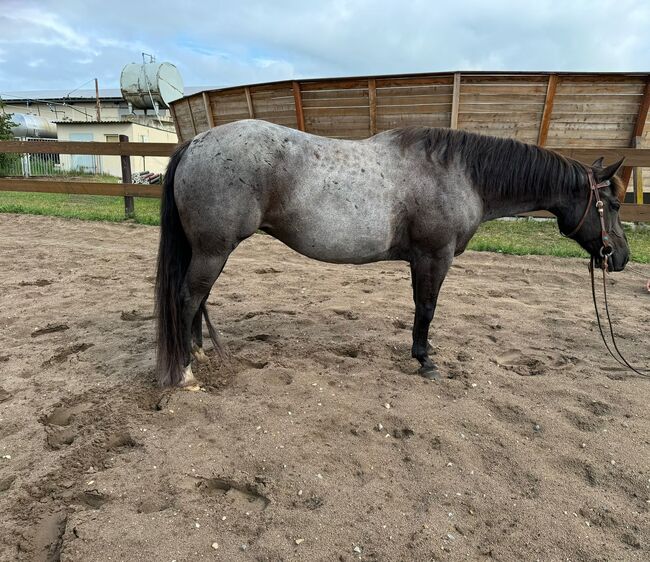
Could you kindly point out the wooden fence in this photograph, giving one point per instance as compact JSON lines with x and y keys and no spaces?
{"x":558,"y":110}
{"x":635,"y":157}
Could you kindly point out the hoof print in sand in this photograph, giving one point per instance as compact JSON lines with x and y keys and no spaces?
{"x":37,"y":283}
{"x":5,"y":483}
{"x":63,"y":415}
{"x":64,"y":352}
{"x":245,"y":496}
{"x":135,"y":316}
{"x":92,"y":498}
{"x":50,"y":329}
{"x":121,"y":440}
{"x":347,"y":314}
{"x":4,"y":395}
{"x":521,"y":364}
{"x":57,"y":438}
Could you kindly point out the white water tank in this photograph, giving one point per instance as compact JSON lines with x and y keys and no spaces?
{"x":151,"y":85}
{"x":32,"y":126}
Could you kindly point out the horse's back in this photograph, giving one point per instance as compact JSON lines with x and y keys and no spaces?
{"x":328,"y":199}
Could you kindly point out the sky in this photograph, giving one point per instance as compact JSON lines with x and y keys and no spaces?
{"x":62,"y":44}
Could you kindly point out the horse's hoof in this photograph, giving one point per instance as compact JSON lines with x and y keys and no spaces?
{"x":188,"y":382}
{"x":429,"y":372}
{"x":191,"y":387}
{"x":200,"y":355}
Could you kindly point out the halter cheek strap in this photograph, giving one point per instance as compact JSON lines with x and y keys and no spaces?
{"x":594,"y":192}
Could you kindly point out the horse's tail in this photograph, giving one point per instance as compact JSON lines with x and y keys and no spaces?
{"x":174,"y":255}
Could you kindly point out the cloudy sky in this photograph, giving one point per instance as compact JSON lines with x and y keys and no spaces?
{"x":60,"y":44}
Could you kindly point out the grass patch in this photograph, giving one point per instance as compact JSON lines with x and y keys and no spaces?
{"x":521,"y":237}
{"x":530,"y":237}
{"x":84,"y":207}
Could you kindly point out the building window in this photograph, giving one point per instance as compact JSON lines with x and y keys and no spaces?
{"x":112,"y":138}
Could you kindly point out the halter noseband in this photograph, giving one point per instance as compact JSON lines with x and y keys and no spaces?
{"x":606,"y":249}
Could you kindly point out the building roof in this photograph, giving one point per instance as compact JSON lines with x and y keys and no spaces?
{"x":76,"y":96}
{"x":102,"y":122}
{"x":113,"y":122}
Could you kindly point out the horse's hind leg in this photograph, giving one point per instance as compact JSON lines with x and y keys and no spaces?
{"x":201,"y":275}
{"x":197,"y":333}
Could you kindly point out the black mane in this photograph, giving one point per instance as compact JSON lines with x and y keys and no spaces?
{"x":502,"y":168}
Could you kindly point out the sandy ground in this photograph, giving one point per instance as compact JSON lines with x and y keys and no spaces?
{"x":317,"y":441}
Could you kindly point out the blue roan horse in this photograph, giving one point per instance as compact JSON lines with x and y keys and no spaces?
{"x":414,"y":194}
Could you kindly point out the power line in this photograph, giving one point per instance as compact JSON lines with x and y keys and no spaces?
{"x":47,"y":102}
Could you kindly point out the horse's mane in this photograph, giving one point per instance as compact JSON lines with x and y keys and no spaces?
{"x":500,"y":167}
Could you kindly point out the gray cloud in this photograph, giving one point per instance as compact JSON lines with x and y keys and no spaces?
{"x":61,"y":44}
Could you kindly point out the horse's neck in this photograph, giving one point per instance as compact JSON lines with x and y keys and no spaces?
{"x":510,"y":208}
{"x":522,"y":201}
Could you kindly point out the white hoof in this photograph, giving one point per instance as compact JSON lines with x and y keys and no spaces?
{"x":188,"y":382}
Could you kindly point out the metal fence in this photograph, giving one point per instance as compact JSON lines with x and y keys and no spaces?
{"x":28,"y":165}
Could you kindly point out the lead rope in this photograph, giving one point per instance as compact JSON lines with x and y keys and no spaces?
{"x":622,"y":361}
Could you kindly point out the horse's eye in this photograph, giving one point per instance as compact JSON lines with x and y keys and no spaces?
{"x":616,"y":205}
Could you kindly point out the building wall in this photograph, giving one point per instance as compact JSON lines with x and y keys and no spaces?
{"x":107,"y":132}
{"x":77,"y":111}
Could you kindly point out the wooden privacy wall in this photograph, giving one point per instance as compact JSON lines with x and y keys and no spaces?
{"x":557,"y":110}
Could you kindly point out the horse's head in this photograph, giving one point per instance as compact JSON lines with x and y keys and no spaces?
{"x":592,"y":220}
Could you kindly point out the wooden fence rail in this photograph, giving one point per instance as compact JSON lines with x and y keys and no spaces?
{"x":635,"y":157}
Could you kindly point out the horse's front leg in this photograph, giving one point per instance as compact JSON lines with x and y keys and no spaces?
{"x":427,"y":272}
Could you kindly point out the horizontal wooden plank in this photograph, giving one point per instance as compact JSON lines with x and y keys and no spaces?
{"x":557,"y":134}
{"x":336,"y":111}
{"x":433,"y":80}
{"x":504,"y":78}
{"x":385,"y":122}
{"x":415,"y":99}
{"x":589,"y":107}
{"x":78,"y":147}
{"x":633,"y":156}
{"x":635,"y":213}
{"x":594,"y":118}
{"x":335,"y":84}
{"x":413,"y":109}
{"x":501,"y":98}
{"x":503,"y":109}
{"x":503,"y":89}
{"x":595,"y":89}
{"x":363,"y":133}
{"x":605,"y":144}
{"x":599,"y":98}
{"x":271,"y":94}
{"x":497,"y":126}
{"x":426,"y":90}
{"x":493,"y":117}
{"x":595,"y":127}
{"x":336,"y":102}
{"x":81,"y":188}
{"x":335,"y":94}
{"x":271,"y":115}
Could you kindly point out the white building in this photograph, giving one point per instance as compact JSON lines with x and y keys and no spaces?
{"x":109,"y":131}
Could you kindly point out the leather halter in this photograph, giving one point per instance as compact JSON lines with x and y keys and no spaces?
{"x":606,"y":249}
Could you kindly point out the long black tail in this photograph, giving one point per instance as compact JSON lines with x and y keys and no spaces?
{"x":174,"y":255}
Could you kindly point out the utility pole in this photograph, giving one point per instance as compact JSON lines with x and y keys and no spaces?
{"x":99,"y":113}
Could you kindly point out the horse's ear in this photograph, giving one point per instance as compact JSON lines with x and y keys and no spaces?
{"x":607,"y":173}
{"x":598,"y":163}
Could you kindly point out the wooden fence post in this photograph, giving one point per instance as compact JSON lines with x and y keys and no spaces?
{"x":129,"y":204}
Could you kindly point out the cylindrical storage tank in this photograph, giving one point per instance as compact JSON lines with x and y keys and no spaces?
{"x":32,"y":126}
{"x":148,"y":84}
